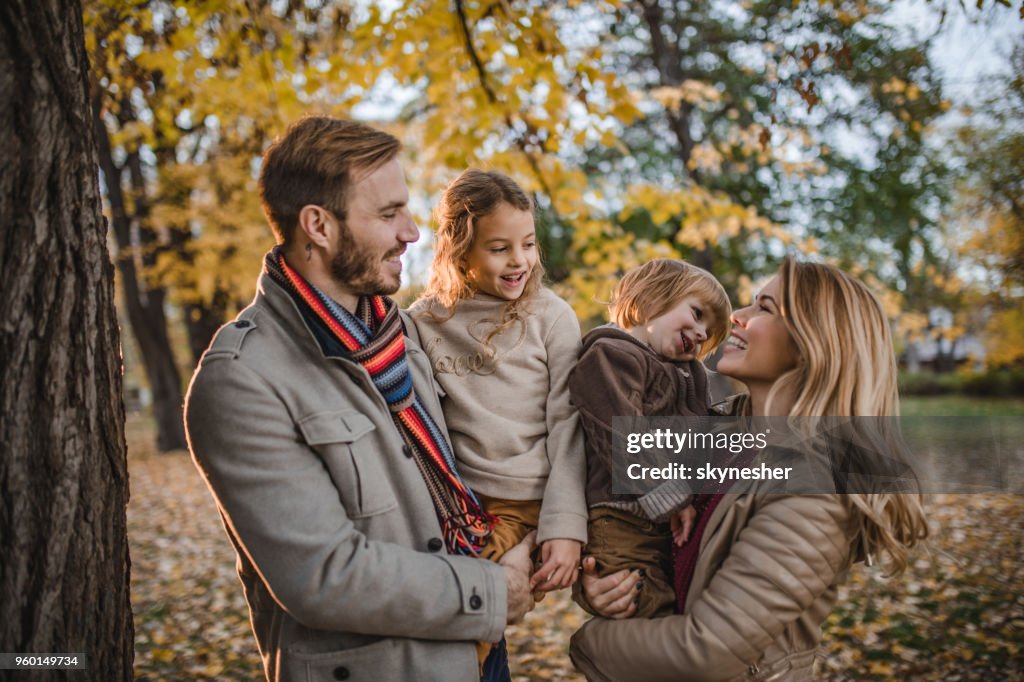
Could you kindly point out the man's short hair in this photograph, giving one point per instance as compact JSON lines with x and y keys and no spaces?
{"x":312,"y":163}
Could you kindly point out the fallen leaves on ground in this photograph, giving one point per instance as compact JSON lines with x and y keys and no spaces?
{"x":956,"y":614}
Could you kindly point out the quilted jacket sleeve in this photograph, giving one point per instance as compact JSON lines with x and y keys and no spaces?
{"x":793,"y":550}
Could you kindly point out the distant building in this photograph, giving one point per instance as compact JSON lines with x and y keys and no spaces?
{"x":941,"y":350}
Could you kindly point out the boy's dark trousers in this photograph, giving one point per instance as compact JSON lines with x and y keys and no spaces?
{"x":618,"y":539}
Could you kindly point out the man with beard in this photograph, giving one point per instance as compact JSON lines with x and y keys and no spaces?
{"x":316,"y":423}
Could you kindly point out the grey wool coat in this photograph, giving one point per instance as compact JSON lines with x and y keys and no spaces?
{"x":339,"y":548}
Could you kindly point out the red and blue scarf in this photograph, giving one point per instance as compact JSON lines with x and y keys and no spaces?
{"x":374,"y":338}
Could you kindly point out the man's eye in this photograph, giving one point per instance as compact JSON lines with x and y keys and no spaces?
{"x":389,"y":216}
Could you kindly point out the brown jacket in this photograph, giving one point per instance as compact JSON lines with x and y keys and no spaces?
{"x":765,"y":581}
{"x":618,"y":376}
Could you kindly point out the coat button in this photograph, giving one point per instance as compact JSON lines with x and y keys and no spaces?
{"x":434,"y":544}
{"x":475,"y":602}
{"x":242,"y":324}
{"x":341,"y":673}
{"x":407,"y":451}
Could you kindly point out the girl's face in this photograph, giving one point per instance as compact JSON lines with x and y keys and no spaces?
{"x":503,"y":253}
{"x":759,"y":350}
{"x":678,"y":333}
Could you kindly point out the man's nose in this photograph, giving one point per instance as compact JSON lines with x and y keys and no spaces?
{"x":408,"y":233}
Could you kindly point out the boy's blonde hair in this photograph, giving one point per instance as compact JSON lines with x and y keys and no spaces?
{"x":652,"y":289}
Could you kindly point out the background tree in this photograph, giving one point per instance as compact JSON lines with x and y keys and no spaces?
{"x":64,"y":574}
{"x":693,"y":129}
{"x":185,"y":97}
{"x":726,"y":133}
{"x":991,"y":208}
{"x":813,"y":115}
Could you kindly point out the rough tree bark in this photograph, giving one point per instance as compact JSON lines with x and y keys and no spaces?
{"x":63,"y":472}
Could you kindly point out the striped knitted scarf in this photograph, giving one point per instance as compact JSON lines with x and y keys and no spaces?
{"x":373,"y":337}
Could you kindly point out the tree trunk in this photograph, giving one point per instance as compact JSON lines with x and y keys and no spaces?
{"x":666,"y":59}
{"x":63,"y":472}
{"x":144,"y":305}
{"x":203,"y":321}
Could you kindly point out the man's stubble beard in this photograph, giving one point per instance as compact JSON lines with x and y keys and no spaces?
{"x":359,"y":269}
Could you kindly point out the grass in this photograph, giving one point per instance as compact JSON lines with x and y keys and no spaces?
{"x":961,"y":406}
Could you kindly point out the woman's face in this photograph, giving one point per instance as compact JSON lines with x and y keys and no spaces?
{"x":759,"y":350}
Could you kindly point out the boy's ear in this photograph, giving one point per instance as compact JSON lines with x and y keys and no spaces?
{"x":317,"y":225}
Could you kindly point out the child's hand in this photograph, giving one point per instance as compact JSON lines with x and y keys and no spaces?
{"x":682,"y":524}
{"x":560,"y":561}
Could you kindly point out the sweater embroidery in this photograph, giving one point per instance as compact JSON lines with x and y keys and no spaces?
{"x":483,"y":361}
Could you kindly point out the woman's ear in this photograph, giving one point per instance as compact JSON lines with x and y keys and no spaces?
{"x":317,"y":225}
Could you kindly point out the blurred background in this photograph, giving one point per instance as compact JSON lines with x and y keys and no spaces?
{"x":885,"y":137}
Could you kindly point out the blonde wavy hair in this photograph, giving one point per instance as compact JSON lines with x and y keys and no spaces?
{"x":652,"y":289}
{"x":848,"y":369}
{"x":473,"y":195}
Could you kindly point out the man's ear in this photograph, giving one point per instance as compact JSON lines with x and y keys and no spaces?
{"x":317,"y":225}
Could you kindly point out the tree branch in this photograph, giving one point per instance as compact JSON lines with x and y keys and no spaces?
{"x":482,"y":76}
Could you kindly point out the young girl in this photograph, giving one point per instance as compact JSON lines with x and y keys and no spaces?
{"x":501,"y":346}
{"x":666,"y":315}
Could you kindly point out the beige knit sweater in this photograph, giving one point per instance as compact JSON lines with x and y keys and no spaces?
{"x":514,"y":432}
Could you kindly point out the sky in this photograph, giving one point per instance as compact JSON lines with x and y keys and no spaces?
{"x":971,"y":45}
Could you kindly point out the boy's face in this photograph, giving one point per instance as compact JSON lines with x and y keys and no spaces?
{"x":678,"y":333}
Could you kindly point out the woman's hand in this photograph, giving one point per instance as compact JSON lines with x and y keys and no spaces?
{"x":613,"y":596}
{"x":560,"y":560}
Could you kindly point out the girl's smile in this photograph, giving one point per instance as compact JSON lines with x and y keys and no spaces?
{"x":503,"y":253}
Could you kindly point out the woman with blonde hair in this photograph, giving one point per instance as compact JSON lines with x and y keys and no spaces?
{"x":760,"y":573}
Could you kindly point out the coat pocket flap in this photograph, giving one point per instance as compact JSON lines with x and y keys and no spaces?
{"x":335,"y":427}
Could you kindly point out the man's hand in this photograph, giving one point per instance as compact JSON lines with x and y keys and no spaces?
{"x":516,"y":563}
{"x":613,"y":596}
{"x":682,"y":523}
{"x":560,"y":561}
